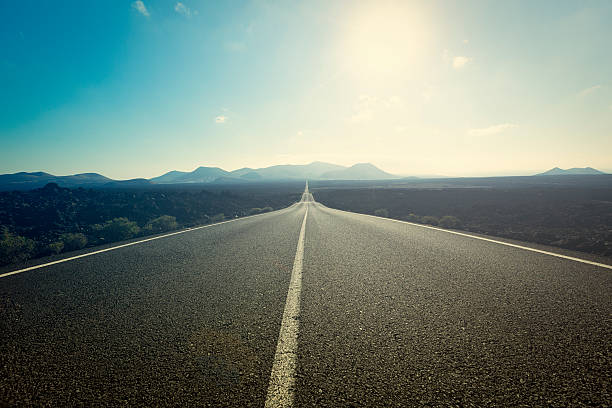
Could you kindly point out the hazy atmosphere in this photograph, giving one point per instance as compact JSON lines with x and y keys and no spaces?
{"x":135,"y":89}
{"x":319,"y":203}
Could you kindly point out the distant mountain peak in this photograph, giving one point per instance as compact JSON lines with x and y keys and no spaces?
{"x":315,"y":170}
{"x":556,"y":171}
{"x":208,"y":167}
{"x":359,"y":171}
{"x":39,"y":179}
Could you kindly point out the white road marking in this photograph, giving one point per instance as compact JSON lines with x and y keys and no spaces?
{"x":282,"y":379}
{"x":571,"y":258}
{"x":4,"y":275}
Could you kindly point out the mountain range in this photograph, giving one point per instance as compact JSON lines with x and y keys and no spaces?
{"x":556,"y":171}
{"x":206,"y":175}
{"x":28,"y":181}
{"x":203,"y":175}
{"x":312,"y":171}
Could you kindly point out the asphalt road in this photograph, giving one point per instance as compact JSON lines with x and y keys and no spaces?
{"x":390,"y":314}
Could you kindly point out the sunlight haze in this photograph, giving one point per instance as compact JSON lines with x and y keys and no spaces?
{"x":138,"y":88}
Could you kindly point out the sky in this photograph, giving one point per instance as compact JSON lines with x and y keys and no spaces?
{"x":457,"y":88}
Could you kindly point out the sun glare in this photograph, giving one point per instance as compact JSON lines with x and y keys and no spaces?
{"x":382,"y":38}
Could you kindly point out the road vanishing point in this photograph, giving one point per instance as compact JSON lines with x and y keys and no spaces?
{"x":309,"y":306}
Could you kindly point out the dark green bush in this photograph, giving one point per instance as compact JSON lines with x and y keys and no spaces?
{"x":217,"y":218}
{"x":449,"y":221}
{"x":257,"y":210}
{"x":161,"y":224}
{"x":116,"y":229}
{"x":411,"y":218}
{"x":381,"y":212}
{"x":73,"y":241}
{"x":429,"y":219}
{"x":55,"y":247}
{"x":14,"y":248}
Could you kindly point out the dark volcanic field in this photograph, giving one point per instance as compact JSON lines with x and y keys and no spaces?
{"x":571,"y":212}
{"x":566,"y":215}
{"x":36,"y":223}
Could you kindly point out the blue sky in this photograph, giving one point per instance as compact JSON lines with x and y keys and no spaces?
{"x":459,"y":88}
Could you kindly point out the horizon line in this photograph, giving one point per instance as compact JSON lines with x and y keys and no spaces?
{"x":517,"y":173}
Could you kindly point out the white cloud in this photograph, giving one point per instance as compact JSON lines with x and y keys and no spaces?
{"x":588,"y":91}
{"x":221,"y":119}
{"x":461,"y":61}
{"x":184,"y":10}
{"x":141,"y":8}
{"x":491,"y":130}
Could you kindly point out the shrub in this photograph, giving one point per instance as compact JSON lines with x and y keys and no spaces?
{"x":381,"y":212}
{"x":411,"y":218}
{"x":161,"y":224}
{"x":256,"y":210}
{"x":14,"y":248}
{"x":73,"y":241}
{"x":429,"y":219}
{"x":217,"y":218}
{"x":116,"y":229}
{"x":56,"y":247}
{"x":449,"y":221}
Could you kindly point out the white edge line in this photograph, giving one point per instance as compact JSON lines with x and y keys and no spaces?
{"x":132,"y":243}
{"x":282,"y":377}
{"x":571,"y":258}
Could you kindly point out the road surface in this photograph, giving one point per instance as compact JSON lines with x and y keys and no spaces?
{"x":308,"y":306}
